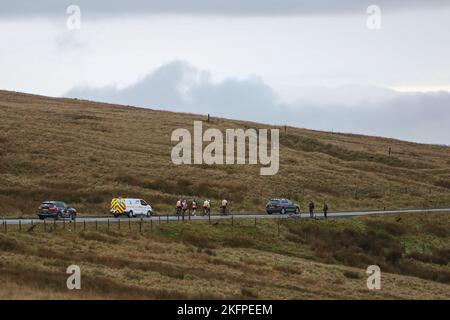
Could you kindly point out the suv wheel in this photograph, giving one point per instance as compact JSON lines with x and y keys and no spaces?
{"x":283,"y":211}
{"x":297,"y":210}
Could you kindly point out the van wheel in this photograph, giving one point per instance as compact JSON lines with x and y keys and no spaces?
{"x":149,"y":213}
{"x":130,"y":214}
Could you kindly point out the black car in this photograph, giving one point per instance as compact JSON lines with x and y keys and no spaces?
{"x":55,"y":209}
{"x":282,"y":206}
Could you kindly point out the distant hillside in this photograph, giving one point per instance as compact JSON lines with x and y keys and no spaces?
{"x":86,"y":153}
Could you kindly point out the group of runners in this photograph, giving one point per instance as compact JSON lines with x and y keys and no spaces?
{"x":183,"y":207}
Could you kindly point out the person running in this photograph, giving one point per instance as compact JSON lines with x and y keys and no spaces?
{"x":178,"y":206}
{"x":184,"y":206}
{"x":223,"y":206}
{"x":206,"y":207}
{"x":194,"y":207}
{"x":325,"y":209}
{"x":311,"y":209}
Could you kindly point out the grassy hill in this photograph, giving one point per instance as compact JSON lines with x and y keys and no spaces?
{"x":303,"y":260}
{"x":86,"y":153}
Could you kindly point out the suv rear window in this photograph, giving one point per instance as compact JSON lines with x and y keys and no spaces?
{"x":274,"y":201}
{"x":47,"y":204}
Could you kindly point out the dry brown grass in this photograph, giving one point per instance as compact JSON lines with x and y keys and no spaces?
{"x":165,"y":262}
{"x":86,"y":153}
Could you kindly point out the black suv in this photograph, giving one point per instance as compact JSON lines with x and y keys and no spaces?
{"x":55,"y":209}
{"x":282,"y":206}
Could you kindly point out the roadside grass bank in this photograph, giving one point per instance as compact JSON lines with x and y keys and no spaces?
{"x":237,"y":259}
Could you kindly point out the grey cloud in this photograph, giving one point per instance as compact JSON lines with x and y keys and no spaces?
{"x":215,"y":7}
{"x":178,"y":86}
{"x":418,"y":117}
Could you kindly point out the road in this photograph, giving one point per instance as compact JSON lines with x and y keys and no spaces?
{"x":237,"y":216}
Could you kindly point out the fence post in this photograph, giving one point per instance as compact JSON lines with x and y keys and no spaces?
{"x":151,"y":225}
{"x":255,"y":222}
{"x":167,"y":218}
{"x":278,"y":226}
{"x":96,"y":225}
{"x":232,"y":220}
{"x":209,"y":218}
{"x":108,"y":224}
{"x":64,"y":224}
{"x":75,"y":224}
{"x":20,"y":225}
{"x":84,"y":225}
{"x":118,"y":224}
{"x":45,"y":226}
{"x":159,"y":219}
{"x":129,"y":224}
{"x":140,"y":226}
{"x":54,"y":224}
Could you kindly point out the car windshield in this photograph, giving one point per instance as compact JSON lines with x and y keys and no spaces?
{"x":60,"y":204}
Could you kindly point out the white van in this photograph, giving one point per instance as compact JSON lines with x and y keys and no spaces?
{"x":130,"y":207}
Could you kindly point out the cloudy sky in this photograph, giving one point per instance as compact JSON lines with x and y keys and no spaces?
{"x":312,"y":64}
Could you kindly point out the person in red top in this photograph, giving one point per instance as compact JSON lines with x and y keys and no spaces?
{"x":194,"y":207}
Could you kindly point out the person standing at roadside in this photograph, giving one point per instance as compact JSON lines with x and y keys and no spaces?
{"x":325,"y":209}
{"x":311,"y":209}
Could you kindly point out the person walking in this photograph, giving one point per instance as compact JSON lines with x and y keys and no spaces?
{"x":325,"y":209}
{"x":311,"y":209}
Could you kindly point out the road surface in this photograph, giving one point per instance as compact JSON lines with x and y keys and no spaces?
{"x":237,"y":216}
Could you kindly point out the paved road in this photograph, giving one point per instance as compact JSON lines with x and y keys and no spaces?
{"x":239,"y":216}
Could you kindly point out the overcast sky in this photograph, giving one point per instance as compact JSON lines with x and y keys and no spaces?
{"x":312,"y":64}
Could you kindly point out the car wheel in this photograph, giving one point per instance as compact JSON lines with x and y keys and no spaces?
{"x":41,"y":217}
{"x":268,"y":212}
{"x":130,"y":214}
{"x":283,"y":211}
{"x":149,"y":213}
{"x":297,"y":210}
{"x":59,"y":215}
